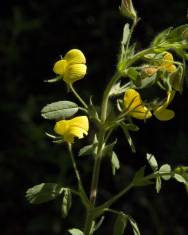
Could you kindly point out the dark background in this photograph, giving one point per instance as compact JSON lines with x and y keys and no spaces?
{"x":32,"y":36}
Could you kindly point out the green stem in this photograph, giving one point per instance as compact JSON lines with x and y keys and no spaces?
{"x":77,"y":96}
{"x":83,"y":195}
{"x":96,"y":169}
{"x":106,"y":96}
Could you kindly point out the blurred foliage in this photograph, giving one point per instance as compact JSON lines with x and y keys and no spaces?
{"x":33,"y":34}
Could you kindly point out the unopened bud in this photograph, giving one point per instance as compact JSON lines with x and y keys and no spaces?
{"x":127,"y":9}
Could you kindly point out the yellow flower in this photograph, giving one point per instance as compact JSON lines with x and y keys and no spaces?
{"x":162,"y":113}
{"x":168,"y":63}
{"x":72,"y":67}
{"x":76,"y":127}
{"x":133,"y":104}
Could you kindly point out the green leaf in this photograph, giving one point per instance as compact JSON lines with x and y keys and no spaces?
{"x":109,"y":148}
{"x":158,"y":184}
{"x":67,"y":202}
{"x":126,"y":32}
{"x":120,"y":224}
{"x":134,"y":225}
{"x":139,"y":180}
{"x":132,"y":127}
{"x":43,"y":192}
{"x":129,"y":139}
{"x":115,"y":163}
{"x":161,"y":37}
{"x":75,"y":231}
{"x":147,"y":82}
{"x":99,"y":223}
{"x":59,"y":110}
{"x":165,"y":169}
{"x":177,"y":79}
{"x":177,"y":33}
{"x":87,"y":150}
{"x":152,"y":161}
{"x":180,"y":178}
{"x":133,"y":74}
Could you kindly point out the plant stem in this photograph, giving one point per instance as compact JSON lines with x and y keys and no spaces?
{"x":83,"y":195}
{"x":106,"y":96}
{"x":77,"y":96}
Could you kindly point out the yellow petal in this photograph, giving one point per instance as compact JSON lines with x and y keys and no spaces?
{"x":78,"y":132}
{"x":61,"y":127}
{"x":59,"y":67}
{"x":165,"y":115}
{"x":169,"y":57}
{"x":75,"y":56}
{"x":141,"y":113}
{"x":80,"y":122}
{"x":133,"y":103}
{"x":171,"y":69}
{"x":166,"y":102}
{"x":168,"y":63}
{"x":74,"y":72}
{"x":132,"y":99}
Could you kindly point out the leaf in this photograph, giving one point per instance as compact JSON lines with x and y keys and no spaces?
{"x":177,"y":79}
{"x":109,"y":148}
{"x":158,"y":184}
{"x":87,"y":150}
{"x":43,"y":192}
{"x":129,"y":139}
{"x":115,"y":163}
{"x":134,"y":225}
{"x":59,"y":110}
{"x":126,"y":32}
{"x":152,"y":161}
{"x":120,"y":224}
{"x":161,"y":37}
{"x":177,"y":33}
{"x":99,"y":223}
{"x":165,"y":169}
{"x":180,"y":178}
{"x":75,"y":231}
{"x":132,"y":73}
{"x":67,"y":202}
{"x":139,"y":180}
{"x":132,"y":127}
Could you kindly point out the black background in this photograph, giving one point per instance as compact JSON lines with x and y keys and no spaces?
{"x":32,"y":36}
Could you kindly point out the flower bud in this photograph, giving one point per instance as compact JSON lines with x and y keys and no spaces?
{"x":127,"y":9}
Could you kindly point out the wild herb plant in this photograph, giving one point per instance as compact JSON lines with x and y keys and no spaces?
{"x":124,"y":99}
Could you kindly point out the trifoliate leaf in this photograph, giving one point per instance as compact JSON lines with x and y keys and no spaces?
{"x":115,"y":163}
{"x":120,"y":224}
{"x":59,"y":110}
{"x":165,"y":171}
{"x":43,"y":192}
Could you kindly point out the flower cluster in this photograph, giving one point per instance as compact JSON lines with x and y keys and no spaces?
{"x":134,"y":104}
